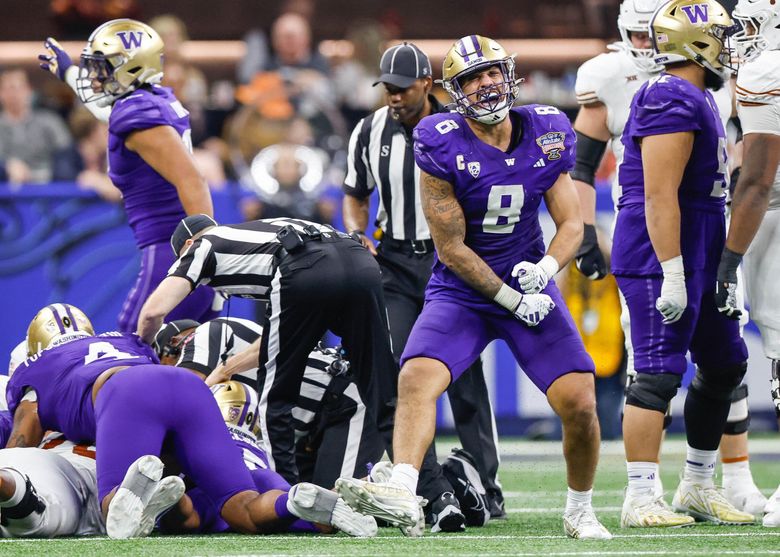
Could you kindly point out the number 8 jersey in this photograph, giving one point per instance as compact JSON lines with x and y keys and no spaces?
{"x":499,"y":191}
{"x":62,"y":379}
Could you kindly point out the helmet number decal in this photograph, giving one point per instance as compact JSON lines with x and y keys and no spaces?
{"x":446,"y":126}
{"x":504,"y":205}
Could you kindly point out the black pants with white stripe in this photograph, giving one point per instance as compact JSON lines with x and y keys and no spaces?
{"x":329,"y":284}
{"x":404,"y":277}
{"x":338,"y":443}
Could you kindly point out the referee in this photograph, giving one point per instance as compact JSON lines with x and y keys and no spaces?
{"x":381,"y":157}
{"x":331,"y":437}
{"x":314,"y":279}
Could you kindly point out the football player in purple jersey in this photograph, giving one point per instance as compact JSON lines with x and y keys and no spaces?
{"x":149,"y":148}
{"x":111,"y":391}
{"x":485,"y":170}
{"x":669,"y":234}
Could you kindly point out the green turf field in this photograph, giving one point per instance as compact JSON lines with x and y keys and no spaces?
{"x":533,"y":478}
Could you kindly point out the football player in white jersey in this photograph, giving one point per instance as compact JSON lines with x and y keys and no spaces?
{"x":605,"y":87}
{"x":48,"y":491}
{"x":755,"y":208}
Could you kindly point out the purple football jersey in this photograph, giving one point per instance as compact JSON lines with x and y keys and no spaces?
{"x":63,"y":376}
{"x":669,"y":104}
{"x":151,"y":202}
{"x":499,"y":192}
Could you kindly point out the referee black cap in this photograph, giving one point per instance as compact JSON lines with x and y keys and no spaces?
{"x":401,"y":65}
{"x":187,"y":228}
{"x":166,"y":333}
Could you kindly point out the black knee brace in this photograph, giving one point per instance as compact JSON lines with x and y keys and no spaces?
{"x":653,"y":391}
{"x":630,"y":379}
{"x":718,"y":383}
{"x":739,"y":413}
{"x":776,"y":385}
{"x":30,"y":503}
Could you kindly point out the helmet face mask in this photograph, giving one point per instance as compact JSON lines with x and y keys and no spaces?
{"x":760,"y":28}
{"x":635,"y":17}
{"x":120,"y":56}
{"x":57,"y":324}
{"x":695,"y":31}
{"x":473,"y":55}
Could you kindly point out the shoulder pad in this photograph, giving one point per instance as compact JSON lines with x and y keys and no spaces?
{"x":758,"y":82}
{"x":596,"y":74}
{"x":137,"y":111}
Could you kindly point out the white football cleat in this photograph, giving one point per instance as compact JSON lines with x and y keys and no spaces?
{"x":388,"y":501}
{"x":582,"y":524}
{"x":772,"y":511}
{"x":745,"y":496}
{"x":650,"y":511}
{"x":316,"y":504}
{"x":705,"y":502}
{"x":141,"y":498}
{"x":381,"y":472}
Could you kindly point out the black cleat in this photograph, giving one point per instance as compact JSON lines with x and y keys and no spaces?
{"x":445,"y":514}
{"x":495,"y":504}
{"x":460,"y":471}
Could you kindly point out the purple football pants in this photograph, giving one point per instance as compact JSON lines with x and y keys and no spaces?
{"x":456,"y":334}
{"x":265,"y":480}
{"x":142,"y":406}
{"x":156,"y":260}
{"x":712,"y":339}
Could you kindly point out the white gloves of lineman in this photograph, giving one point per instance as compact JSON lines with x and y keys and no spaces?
{"x":674,"y":298}
{"x":533,"y":308}
{"x":533,"y":277}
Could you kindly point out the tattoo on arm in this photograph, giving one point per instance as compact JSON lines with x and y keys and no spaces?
{"x":27,"y":431}
{"x":448,"y":229}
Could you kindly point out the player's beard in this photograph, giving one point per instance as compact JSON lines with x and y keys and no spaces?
{"x":712,"y":80}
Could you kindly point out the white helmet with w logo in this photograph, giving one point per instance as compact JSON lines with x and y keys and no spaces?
{"x":120,"y":56}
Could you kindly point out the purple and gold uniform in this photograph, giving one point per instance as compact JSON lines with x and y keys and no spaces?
{"x":151,"y":202}
{"x":499,"y":193}
{"x":135,"y":411}
{"x":664,"y":105}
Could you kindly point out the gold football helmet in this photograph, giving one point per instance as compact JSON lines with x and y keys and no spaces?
{"x":474,"y":53}
{"x":238,"y":404}
{"x":120,"y":56}
{"x":57,"y":324}
{"x":696,"y":31}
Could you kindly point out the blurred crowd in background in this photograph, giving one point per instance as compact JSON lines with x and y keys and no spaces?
{"x":278,"y":128}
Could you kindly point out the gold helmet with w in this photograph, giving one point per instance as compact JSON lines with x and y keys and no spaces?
{"x":120,"y":56}
{"x":57,"y":324}
{"x":239,"y":405}
{"x":696,"y":31}
{"x":472,"y":54}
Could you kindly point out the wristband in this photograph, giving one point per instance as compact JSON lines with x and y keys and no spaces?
{"x":508,"y":297}
{"x":673,"y":266}
{"x":549,"y":265}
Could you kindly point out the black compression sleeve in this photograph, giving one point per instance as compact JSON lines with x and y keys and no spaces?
{"x":589,"y":154}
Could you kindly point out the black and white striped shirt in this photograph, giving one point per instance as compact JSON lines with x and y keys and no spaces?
{"x":201,"y":351}
{"x":381,"y":156}
{"x":238,"y":259}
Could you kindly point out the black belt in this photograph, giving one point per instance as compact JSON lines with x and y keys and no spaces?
{"x":292,"y":240}
{"x":417,"y":247}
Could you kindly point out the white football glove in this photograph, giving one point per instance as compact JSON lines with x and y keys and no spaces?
{"x":533,"y":277}
{"x":674,"y":298}
{"x":533,"y":308}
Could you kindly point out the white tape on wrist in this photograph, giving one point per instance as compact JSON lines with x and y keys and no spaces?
{"x":549,"y":265}
{"x":673,"y":266}
{"x":508,"y":297}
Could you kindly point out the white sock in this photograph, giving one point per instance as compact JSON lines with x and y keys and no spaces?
{"x":19,"y":490}
{"x":406,"y":475}
{"x":578,"y":499}
{"x":737,"y":472}
{"x":641,"y":478}
{"x":699,"y":465}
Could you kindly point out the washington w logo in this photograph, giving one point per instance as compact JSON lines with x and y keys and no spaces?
{"x":697,"y":13}
{"x":131,"y":39}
